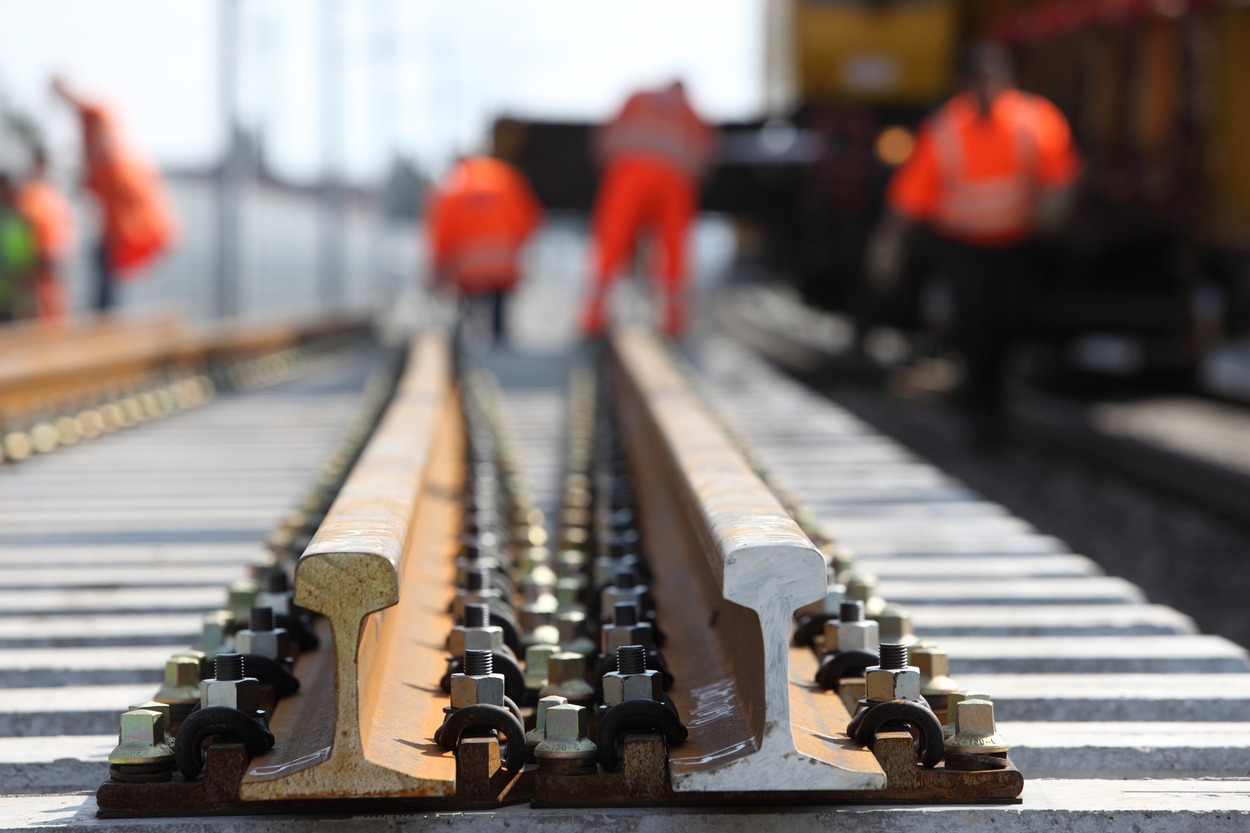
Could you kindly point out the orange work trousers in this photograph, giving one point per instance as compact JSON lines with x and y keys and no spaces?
{"x":642,"y":195}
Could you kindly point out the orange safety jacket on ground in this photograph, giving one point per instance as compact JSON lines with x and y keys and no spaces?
{"x":479,"y":218}
{"x":653,"y":153}
{"x":52,"y":219}
{"x":978,"y":179}
{"x":139,"y":219}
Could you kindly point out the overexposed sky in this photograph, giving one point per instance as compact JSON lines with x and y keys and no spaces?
{"x":424,"y":76}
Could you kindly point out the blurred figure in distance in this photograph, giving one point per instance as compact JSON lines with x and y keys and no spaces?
{"x":653,"y":155}
{"x":17,"y":254}
{"x":52,"y":220}
{"x":992,"y":169}
{"x":138,"y":222}
{"x":480,"y":217}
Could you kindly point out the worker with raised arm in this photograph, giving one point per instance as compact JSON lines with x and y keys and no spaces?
{"x":992,"y":169}
{"x":653,"y":155}
{"x":138,"y":222}
{"x":52,"y":220}
{"x":480,"y":217}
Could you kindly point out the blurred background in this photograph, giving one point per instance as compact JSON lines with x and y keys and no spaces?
{"x":299,"y":144}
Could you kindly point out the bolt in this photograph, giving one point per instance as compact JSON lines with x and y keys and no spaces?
{"x":228,"y":667}
{"x":565,"y":738}
{"x":896,"y":625}
{"x":631,"y":680}
{"x":478,"y":663}
{"x":853,"y":632}
{"x":229,"y":687}
{"x":182,"y":680}
{"x":537,"y":664}
{"x":142,"y":740}
{"x":952,"y":707}
{"x":893,"y":656}
{"x":566,"y":676}
{"x":975,"y":731}
{"x":631,"y":659}
{"x":851,"y":610}
{"x":893,"y":678}
{"x":539,"y":733}
{"x":624,"y":614}
{"x":261,"y":637}
{"x":935,"y":680}
{"x":478,"y":683}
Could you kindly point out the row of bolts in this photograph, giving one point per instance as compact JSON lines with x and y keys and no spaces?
{"x":552,"y":622}
{"x":596,"y":566}
{"x":44,"y":426}
{"x":259,"y":618}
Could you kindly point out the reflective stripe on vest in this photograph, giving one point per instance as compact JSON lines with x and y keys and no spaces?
{"x":988,"y":206}
{"x":656,"y":128}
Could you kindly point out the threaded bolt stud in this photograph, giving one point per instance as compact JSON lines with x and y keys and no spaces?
{"x":893,"y":656}
{"x":625,"y":579}
{"x":852,"y":611}
{"x":228,"y":667}
{"x":477,"y":579}
{"x":624,"y":615}
{"x":631,"y":659}
{"x":476,"y":615}
{"x":260,"y":619}
{"x":478,"y":663}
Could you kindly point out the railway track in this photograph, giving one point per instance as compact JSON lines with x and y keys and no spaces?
{"x":722,"y":477}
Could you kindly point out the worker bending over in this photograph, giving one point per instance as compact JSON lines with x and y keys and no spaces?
{"x":653,"y":155}
{"x":138,"y":220}
{"x":480,"y":217}
{"x":991,"y":170}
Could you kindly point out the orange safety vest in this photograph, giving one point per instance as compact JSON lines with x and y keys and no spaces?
{"x":139,"y":219}
{"x":660,"y":126}
{"x":52,"y":219}
{"x":479,"y":219}
{"x":977,"y":178}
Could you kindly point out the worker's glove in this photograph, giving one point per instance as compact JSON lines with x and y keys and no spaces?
{"x":883,"y":260}
{"x":1054,"y":207}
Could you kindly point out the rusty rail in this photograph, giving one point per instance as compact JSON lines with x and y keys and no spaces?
{"x":377,"y":569}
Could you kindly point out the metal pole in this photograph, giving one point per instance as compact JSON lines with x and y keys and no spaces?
{"x":227,"y":295}
{"x":332,"y":213}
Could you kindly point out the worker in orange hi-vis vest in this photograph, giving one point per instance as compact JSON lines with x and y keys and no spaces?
{"x":653,"y":155}
{"x":138,"y":219}
{"x":991,"y":171}
{"x":480,"y":217}
{"x":52,"y":219}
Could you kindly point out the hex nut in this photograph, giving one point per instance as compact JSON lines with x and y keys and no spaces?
{"x":952,"y":707}
{"x":975,"y":731}
{"x":884,"y":684}
{"x":182,"y":680}
{"x":274,"y":644}
{"x":488,"y":638}
{"x":471,"y":690}
{"x":934,"y":665}
{"x":896,"y":627}
{"x":539,"y":732}
{"x":538,"y":664}
{"x":612,"y":637}
{"x":566,"y":738}
{"x":155,"y":706}
{"x":243,"y":694}
{"x":617,"y":687}
{"x":214,"y":633}
{"x":141,"y":739}
{"x":566,"y":676}
{"x":856,"y":636}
